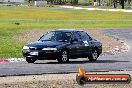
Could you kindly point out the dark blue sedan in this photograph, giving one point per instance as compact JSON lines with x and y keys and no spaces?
{"x":63,"y":45}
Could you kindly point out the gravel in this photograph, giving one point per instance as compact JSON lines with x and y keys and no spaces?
{"x":56,"y":81}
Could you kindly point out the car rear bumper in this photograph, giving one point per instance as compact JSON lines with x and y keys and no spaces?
{"x":41,"y":54}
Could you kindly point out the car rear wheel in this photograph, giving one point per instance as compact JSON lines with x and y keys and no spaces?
{"x":30,"y":60}
{"x":64,"y":57}
{"x":93,"y":56}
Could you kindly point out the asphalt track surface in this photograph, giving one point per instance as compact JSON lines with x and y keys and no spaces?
{"x":122,"y":61}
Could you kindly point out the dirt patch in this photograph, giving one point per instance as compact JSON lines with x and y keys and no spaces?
{"x":30,"y":35}
{"x":108,"y":42}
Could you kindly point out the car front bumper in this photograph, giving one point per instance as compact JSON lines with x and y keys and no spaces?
{"x":41,"y":54}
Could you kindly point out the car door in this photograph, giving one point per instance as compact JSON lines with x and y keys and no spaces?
{"x":76,"y":44}
{"x":87,"y":42}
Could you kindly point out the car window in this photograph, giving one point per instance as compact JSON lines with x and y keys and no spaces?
{"x":85,"y":36}
{"x":76,"y":36}
{"x":48,"y":36}
{"x":56,"y":36}
{"x":68,"y":36}
{"x":63,"y":36}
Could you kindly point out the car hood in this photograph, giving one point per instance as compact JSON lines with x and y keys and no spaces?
{"x":44,"y":44}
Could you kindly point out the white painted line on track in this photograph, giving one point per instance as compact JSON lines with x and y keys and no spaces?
{"x":92,"y":9}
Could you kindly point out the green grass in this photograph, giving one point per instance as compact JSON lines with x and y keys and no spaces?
{"x":48,"y":18}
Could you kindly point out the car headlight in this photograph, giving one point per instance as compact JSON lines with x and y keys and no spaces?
{"x":25,"y":47}
{"x":49,"y":49}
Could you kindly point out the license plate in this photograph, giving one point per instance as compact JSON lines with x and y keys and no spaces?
{"x":33,"y":53}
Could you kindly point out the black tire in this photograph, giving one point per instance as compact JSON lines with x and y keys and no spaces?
{"x":94,"y":55}
{"x":64,"y":57}
{"x":30,"y":60}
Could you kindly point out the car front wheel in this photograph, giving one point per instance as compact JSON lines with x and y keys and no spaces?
{"x":30,"y":60}
{"x":64,"y":57}
{"x":93,"y":56}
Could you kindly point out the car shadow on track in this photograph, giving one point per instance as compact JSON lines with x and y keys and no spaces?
{"x":84,"y":62}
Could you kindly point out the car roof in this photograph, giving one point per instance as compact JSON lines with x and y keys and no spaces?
{"x":67,"y":30}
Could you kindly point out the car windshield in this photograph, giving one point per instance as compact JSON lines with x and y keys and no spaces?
{"x":56,"y":36}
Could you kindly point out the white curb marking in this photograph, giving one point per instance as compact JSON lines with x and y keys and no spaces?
{"x":80,"y":8}
{"x":16,"y":59}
